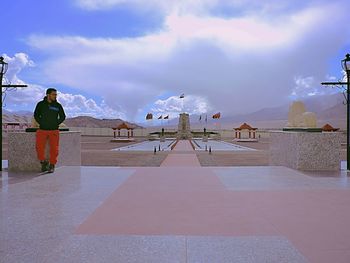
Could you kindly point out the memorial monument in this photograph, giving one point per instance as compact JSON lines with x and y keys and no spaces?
{"x":184,"y":131}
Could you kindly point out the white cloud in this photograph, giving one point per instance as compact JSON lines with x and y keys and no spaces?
{"x":15,"y":97}
{"x":26,"y":98}
{"x":238,"y":64}
{"x":74,"y":105}
{"x":308,"y":86}
{"x":15,"y":66}
{"x":183,"y":31}
{"x":78,"y":105}
{"x":148,"y":5}
{"x":199,"y":7}
{"x":173,"y":106}
{"x":304,"y":86}
{"x":23,"y":97}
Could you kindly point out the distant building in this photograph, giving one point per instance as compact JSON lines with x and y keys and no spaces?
{"x":245,"y":133}
{"x":329,"y":128}
{"x":123,"y":126}
{"x":15,"y":123}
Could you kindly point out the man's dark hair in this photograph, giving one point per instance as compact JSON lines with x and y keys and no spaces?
{"x":48,"y":91}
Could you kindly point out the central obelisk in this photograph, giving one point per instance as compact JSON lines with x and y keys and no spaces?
{"x":184,"y":131}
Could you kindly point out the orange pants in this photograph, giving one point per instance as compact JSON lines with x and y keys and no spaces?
{"x":41,"y":138}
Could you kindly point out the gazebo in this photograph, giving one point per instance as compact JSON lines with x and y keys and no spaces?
{"x":119,"y":138}
{"x":329,"y":128}
{"x":245,"y":132}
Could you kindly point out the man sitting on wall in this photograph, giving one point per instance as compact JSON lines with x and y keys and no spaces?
{"x":49,"y":114}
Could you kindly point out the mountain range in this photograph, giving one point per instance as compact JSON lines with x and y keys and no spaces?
{"x":86,"y":121}
{"x":79,"y":121}
{"x":328,"y":109}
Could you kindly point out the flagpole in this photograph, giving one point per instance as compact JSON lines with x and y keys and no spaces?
{"x":182,"y":97}
{"x":206,"y":121}
{"x":182,"y":108}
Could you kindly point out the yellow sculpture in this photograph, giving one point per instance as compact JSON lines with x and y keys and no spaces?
{"x":298,"y":117}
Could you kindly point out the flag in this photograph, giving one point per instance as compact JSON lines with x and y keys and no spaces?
{"x":216,"y":115}
{"x":166,"y":117}
{"x":160,"y":117}
{"x":206,"y":118}
{"x":182,"y":96}
{"x":200,"y":117}
{"x":149,"y":116}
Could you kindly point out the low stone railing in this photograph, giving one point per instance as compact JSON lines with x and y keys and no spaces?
{"x":173,"y":146}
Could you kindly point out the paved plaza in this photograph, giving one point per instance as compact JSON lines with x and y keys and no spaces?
{"x":177,"y":212}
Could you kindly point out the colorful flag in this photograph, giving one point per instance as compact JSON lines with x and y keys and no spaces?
{"x":216,"y":115}
{"x":182,"y":96}
{"x":206,"y":118}
{"x":166,"y":117}
{"x":160,"y":117}
{"x":200,"y":117}
{"x":149,"y":116}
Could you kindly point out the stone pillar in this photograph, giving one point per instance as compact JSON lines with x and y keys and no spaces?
{"x":184,"y":130}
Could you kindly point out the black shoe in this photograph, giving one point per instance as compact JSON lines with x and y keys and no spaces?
{"x":44,"y":165}
{"x":51,"y":168}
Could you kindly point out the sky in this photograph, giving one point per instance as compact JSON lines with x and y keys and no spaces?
{"x":125,"y":58}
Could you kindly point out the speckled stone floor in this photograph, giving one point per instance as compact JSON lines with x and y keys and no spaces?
{"x":175,"y":213}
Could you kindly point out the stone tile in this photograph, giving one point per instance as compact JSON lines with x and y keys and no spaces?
{"x":37,"y":214}
{"x":120,"y":249}
{"x":38,"y":217}
{"x":250,"y":249}
{"x":58,"y":201}
{"x":29,"y":247}
{"x":275,"y":178}
{"x":326,"y":256}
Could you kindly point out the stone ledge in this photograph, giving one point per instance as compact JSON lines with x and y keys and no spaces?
{"x":22,"y":153}
{"x":305,"y":150}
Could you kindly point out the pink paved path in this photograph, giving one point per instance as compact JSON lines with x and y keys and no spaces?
{"x":187,"y":200}
{"x":183,"y":145}
{"x":187,"y":157}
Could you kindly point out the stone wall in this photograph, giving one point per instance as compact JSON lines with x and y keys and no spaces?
{"x":306,"y":150}
{"x":22,"y":153}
